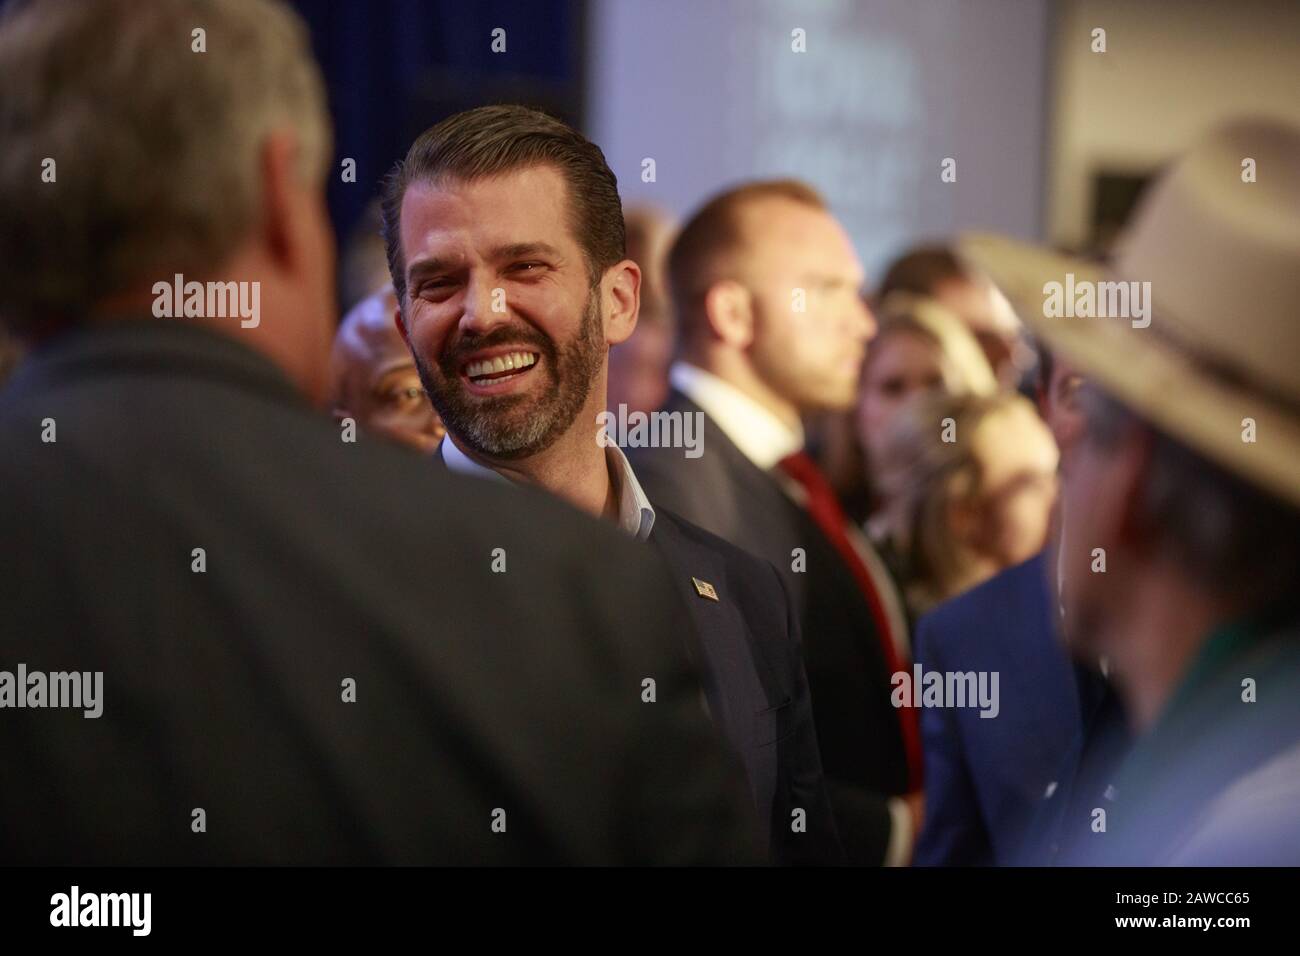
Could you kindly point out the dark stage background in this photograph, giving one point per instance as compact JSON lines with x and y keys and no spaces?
{"x":395,"y":68}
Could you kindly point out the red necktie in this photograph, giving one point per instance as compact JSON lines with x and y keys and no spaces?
{"x":824,"y":508}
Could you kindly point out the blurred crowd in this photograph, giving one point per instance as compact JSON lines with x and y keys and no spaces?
{"x":904,"y":476}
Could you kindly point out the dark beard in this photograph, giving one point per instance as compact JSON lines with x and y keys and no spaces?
{"x":510,"y":427}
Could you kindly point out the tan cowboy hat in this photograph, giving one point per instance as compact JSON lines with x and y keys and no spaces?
{"x":1222,"y":256}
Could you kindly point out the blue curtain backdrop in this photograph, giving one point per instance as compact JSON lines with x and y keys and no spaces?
{"x":395,"y":67}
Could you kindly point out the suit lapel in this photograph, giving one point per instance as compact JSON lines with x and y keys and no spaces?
{"x":713,"y":619}
{"x":737,"y":679}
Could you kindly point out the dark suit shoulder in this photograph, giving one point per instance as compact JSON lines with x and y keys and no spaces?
{"x":721,"y":491}
{"x":486,"y":645}
{"x":757,"y":576}
{"x":704,"y":538}
{"x":688,"y":486}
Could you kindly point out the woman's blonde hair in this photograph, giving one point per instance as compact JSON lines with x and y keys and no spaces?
{"x":933,"y":463}
{"x":965,"y":369}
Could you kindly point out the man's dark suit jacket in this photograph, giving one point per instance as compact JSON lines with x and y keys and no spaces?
{"x":746,"y":644}
{"x":755,"y":683}
{"x":985,"y":777}
{"x":857,"y":727}
{"x":223,"y":689}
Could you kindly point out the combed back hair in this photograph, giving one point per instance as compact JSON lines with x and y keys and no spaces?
{"x":1227,"y":535}
{"x":493,"y":140}
{"x":714,"y":233}
{"x":155,"y":146}
{"x":922,"y":270}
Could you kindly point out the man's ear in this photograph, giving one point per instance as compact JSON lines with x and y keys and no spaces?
{"x":282,"y":196}
{"x":729,"y":307}
{"x":623,"y":284}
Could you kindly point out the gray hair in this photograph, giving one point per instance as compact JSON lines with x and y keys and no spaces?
{"x":154,"y":144}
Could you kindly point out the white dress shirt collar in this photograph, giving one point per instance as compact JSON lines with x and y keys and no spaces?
{"x":636,"y":516}
{"x":760,"y":435}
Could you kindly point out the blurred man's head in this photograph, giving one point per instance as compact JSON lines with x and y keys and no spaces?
{"x":768,"y":294}
{"x":506,"y":245}
{"x":1157,"y":509}
{"x":638,"y":368}
{"x":1164,"y":546}
{"x":938,"y":273}
{"x":137,"y":148}
{"x":1180,"y":502}
{"x":375,"y":380}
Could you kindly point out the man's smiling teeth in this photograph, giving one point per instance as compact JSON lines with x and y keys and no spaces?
{"x":502,"y":363}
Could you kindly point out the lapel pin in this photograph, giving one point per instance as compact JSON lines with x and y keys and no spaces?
{"x":704,"y":589}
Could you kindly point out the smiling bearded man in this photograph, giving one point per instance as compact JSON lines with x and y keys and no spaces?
{"x":504,"y":423}
{"x":506,"y":243}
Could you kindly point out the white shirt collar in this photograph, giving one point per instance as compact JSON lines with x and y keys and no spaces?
{"x":761,"y":436}
{"x":636,"y":516}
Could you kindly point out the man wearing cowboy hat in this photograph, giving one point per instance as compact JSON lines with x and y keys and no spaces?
{"x":1182,"y":504}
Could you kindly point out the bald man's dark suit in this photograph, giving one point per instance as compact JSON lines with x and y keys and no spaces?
{"x":325,"y":562}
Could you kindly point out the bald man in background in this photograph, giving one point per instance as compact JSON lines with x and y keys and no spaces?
{"x":773,"y":328}
{"x":374,"y":379}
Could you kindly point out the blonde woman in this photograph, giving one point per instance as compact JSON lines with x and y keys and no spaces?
{"x":970,"y":481}
{"x":920,"y":347}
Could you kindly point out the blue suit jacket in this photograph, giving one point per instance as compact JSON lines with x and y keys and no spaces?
{"x":984,"y":777}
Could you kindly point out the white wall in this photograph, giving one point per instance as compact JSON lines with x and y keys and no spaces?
{"x":1172,"y":69}
{"x":887,"y":88}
